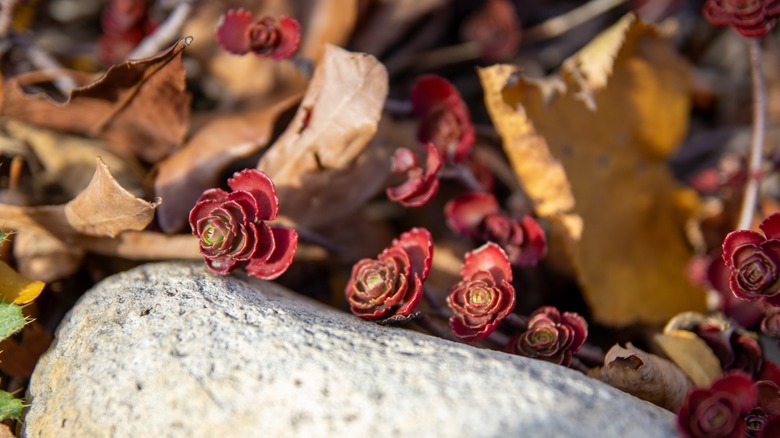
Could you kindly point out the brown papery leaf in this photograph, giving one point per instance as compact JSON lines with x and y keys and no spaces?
{"x":691,"y":354}
{"x":138,"y":106}
{"x":590,"y":145}
{"x":104,"y":208}
{"x":644,"y":375}
{"x":45,"y":257}
{"x":321,"y":164}
{"x":182,"y":177}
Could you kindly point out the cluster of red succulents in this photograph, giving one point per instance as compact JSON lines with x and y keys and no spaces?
{"x":124,"y":23}
{"x":233,"y":231}
{"x":734,"y":406}
{"x":239,"y":33}
{"x":496,"y":28}
{"x":391,"y":285}
{"x":750,"y":18}
{"x":477,"y":216}
{"x":422,"y":183}
{"x":754,"y":262}
{"x":551,"y":336}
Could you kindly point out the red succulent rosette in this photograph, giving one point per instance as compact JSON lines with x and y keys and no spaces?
{"x":720,"y":410}
{"x":485,"y":296}
{"x":750,"y":18}
{"x":753,"y":261}
{"x":477,"y":216}
{"x":550,"y":336}
{"x":496,"y":28}
{"x":747,"y":314}
{"x":421,"y":184}
{"x":239,"y":33}
{"x":762,"y":420}
{"x":390,"y":286}
{"x":233,"y":232}
{"x":444,"y":118}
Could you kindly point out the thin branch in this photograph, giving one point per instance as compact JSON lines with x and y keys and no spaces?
{"x":169,"y":31}
{"x":563,"y":23}
{"x":757,"y":139}
{"x":463,"y":174}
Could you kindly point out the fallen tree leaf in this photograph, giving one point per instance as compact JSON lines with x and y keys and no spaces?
{"x":644,"y":375}
{"x":18,"y":358}
{"x":183,"y":176}
{"x":143,"y":245}
{"x":44,"y":257}
{"x":326,"y":22}
{"x":105,"y":208}
{"x":67,"y":161}
{"x":15,"y":288}
{"x":322,"y":165}
{"x":691,"y":354}
{"x":138,"y":106}
{"x":5,"y":431}
{"x":590,"y":148}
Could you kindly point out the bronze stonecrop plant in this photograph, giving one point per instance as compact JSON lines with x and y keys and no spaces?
{"x":239,"y":33}
{"x":421,"y":184}
{"x":233,"y":229}
{"x":750,"y":18}
{"x":551,"y":336}
{"x":754,"y":262}
{"x":485,"y":295}
{"x":391,"y":286}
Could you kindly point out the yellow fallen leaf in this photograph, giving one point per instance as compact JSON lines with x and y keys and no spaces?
{"x":15,"y":288}
{"x":691,"y":354}
{"x":588,"y":145}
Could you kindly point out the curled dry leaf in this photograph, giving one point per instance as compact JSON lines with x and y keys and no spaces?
{"x":188,"y":172}
{"x":644,"y":375}
{"x":104,"y":208}
{"x":138,"y":106}
{"x":44,"y":257}
{"x":16,"y":288}
{"x":323,"y":165}
{"x":67,"y":160}
{"x":143,"y":245}
{"x":609,"y":159}
{"x":691,"y":354}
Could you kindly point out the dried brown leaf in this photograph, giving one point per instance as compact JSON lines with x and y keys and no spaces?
{"x":138,"y":106}
{"x":691,"y":354}
{"x":182,"y":177}
{"x":67,"y":161}
{"x":44,"y":257}
{"x":323,"y":165}
{"x":5,"y":432}
{"x":105,"y":208}
{"x":644,"y":375}
{"x":143,"y":245}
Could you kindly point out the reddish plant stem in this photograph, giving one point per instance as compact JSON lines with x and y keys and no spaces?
{"x":750,"y":197}
{"x":590,"y":355}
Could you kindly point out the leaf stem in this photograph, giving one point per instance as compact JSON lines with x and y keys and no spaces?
{"x":750,"y":197}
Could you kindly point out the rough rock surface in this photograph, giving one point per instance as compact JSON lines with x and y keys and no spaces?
{"x":172,"y":350}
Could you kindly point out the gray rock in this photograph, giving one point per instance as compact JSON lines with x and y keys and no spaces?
{"x":171,"y":350}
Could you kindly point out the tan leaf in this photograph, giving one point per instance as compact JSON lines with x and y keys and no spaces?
{"x":15,"y":288}
{"x":644,"y":375}
{"x":68,"y":161}
{"x":691,"y":354}
{"x":5,"y":432}
{"x":183,"y":176}
{"x":139,"y":106}
{"x":104,"y":208}
{"x":325,"y":22}
{"x":44,"y":257}
{"x":143,"y":245}
{"x":321,"y":164}
{"x":592,"y":142}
